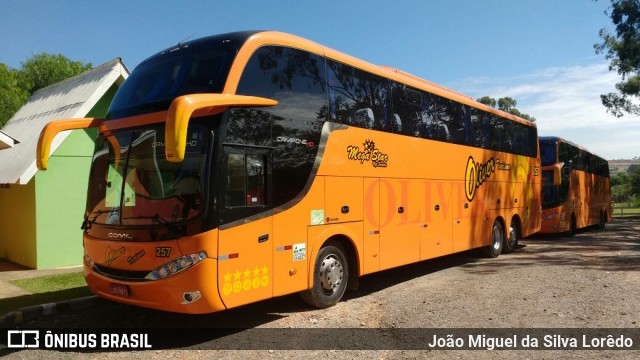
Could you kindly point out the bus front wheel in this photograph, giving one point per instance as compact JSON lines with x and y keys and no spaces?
{"x":497,"y":240}
{"x":330,"y":277}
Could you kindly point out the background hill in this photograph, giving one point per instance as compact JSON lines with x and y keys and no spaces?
{"x":616,"y":166}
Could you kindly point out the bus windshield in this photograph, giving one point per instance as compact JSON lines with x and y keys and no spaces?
{"x":554,"y":195}
{"x":548,"y":153}
{"x":131,"y":183}
{"x":184,"y":70}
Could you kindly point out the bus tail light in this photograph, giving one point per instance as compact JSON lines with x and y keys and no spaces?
{"x":175,"y":266}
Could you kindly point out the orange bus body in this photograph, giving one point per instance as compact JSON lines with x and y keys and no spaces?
{"x":576,"y":188}
{"x":373,"y":199}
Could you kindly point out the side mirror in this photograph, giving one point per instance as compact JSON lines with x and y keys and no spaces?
{"x":558,"y":170}
{"x":55,"y":127}
{"x":183,"y":107}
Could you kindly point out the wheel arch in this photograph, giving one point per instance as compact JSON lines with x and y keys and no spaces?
{"x":518,"y":220}
{"x":346,"y":238}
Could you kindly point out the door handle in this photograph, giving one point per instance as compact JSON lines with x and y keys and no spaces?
{"x":263,"y":238}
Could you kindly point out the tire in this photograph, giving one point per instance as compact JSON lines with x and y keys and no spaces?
{"x":511,"y":243}
{"x":603,"y":220}
{"x":572,"y":227}
{"x":330,"y":277}
{"x":497,"y":241}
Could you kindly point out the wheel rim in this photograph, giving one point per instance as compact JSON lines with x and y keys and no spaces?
{"x":497,"y":236}
{"x":331,"y":274}
{"x":513,"y":236}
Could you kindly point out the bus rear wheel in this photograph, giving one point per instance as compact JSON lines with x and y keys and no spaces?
{"x":330,"y":277}
{"x":497,"y":240}
{"x":603,"y":220}
{"x":511,"y":243}
{"x":573,"y":228}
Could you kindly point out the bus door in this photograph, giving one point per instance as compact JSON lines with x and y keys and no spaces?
{"x":399,"y":222}
{"x":371,"y":236}
{"x":245,"y":251}
{"x":435,"y":233}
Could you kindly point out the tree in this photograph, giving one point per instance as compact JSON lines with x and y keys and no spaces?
{"x":623,"y":50}
{"x":506,"y":104}
{"x":44,"y":69}
{"x":634,"y":182}
{"x":39,"y":71}
{"x":12,"y":95}
{"x":620,"y":179}
{"x":488,"y":101}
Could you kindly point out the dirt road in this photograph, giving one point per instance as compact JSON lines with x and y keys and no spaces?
{"x":591,"y":280}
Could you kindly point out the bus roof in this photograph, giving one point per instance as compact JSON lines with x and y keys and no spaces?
{"x":560,"y":139}
{"x":279,"y":38}
{"x":248,"y":41}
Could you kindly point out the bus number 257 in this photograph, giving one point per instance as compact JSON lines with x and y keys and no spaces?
{"x":163,"y":251}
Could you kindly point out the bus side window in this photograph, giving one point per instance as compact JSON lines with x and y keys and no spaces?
{"x":396,"y":124}
{"x":357,"y":98}
{"x":245,"y":180}
{"x":245,"y":189}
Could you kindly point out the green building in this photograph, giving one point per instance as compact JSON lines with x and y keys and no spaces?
{"x":41,"y":211}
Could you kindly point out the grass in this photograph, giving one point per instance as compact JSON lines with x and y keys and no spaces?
{"x":46,"y":289}
{"x":51,"y":283}
{"x":624,"y":211}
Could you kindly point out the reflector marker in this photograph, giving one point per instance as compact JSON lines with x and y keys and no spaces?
{"x":228,"y":256}
{"x":284,"y":248}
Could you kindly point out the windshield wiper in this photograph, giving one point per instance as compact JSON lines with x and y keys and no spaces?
{"x":160,"y":220}
{"x":86,"y":224}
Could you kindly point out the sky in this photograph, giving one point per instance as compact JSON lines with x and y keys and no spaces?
{"x":539,"y":52}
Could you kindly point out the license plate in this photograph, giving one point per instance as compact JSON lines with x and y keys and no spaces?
{"x":119,"y":289}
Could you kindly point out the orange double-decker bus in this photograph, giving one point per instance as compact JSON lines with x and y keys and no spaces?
{"x":576,"y":191}
{"x":244,"y":166}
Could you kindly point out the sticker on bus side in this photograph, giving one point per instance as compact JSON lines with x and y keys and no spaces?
{"x":299,"y":252}
{"x":317,"y":217}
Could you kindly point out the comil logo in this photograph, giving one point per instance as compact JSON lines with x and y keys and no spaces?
{"x":124,"y":236}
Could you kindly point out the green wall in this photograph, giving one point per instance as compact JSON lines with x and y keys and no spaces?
{"x":61,"y":194}
{"x":40,"y":222}
{"x":60,"y":197}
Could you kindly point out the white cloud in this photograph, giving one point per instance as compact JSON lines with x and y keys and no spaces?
{"x":566,"y":102}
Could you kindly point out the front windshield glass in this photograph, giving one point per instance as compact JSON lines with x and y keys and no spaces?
{"x":155,"y":83}
{"x":548,"y":152}
{"x":131,"y":183}
{"x":554,"y":195}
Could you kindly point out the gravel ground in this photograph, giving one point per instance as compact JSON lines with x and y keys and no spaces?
{"x":591,"y":280}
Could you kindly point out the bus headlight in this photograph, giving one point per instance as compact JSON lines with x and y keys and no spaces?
{"x":89,"y":261}
{"x":176,"y":265}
